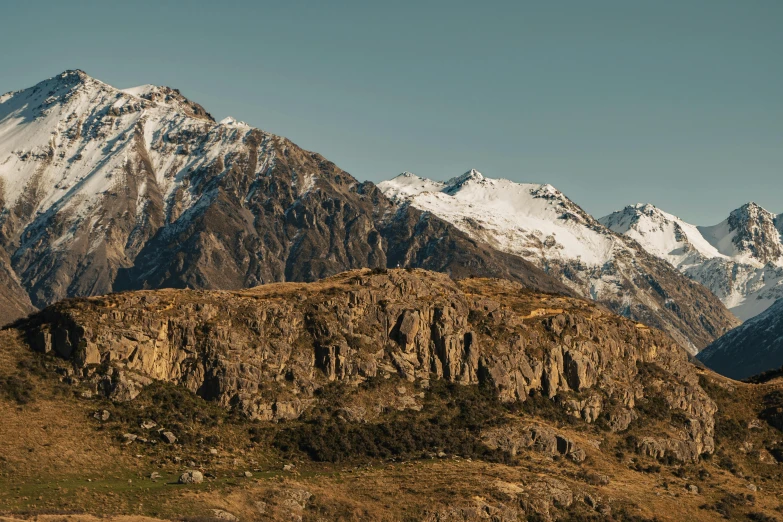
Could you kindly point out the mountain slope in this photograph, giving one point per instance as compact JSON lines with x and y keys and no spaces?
{"x":750,"y":349}
{"x":538,"y":223}
{"x":740,"y":259}
{"x":105,"y":189}
{"x":14,"y":301}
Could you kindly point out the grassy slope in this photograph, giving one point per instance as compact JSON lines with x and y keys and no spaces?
{"x":56,"y":458}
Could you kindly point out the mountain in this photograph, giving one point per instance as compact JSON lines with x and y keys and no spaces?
{"x":751,"y":349}
{"x":740,"y":259}
{"x":540,"y":224}
{"x":103,"y":189}
{"x":373,"y":395}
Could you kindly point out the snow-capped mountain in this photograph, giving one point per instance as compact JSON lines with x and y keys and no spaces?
{"x":104,"y":189}
{"x":740,"y":259}
{"x":750,"y":349}
{"x":540,"y":224}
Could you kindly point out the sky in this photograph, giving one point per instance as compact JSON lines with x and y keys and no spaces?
{"x":674,"y":102}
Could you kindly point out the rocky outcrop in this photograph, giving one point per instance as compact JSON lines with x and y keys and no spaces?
{"x":541,"y":439}
{"x":755,"y":233}
{"x":265,"y":351}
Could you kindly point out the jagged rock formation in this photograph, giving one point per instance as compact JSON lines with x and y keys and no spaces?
{"x":104,"y":189}
{"x":740,"y":259}
{"x":540,"y":224}
{"x":266,"y":351}
{"x":753,"y":348}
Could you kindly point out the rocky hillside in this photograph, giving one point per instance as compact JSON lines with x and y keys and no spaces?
{"x":540,"y":224}
{"x":753,"y":348}
{"x":740,"y":259}
{"x":373,"y":395}
{"x":266,"y":351}
{"x":103,"y":189}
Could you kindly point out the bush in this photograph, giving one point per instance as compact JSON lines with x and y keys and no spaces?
{"x":17,"y":388}
{"x":450,"y":422}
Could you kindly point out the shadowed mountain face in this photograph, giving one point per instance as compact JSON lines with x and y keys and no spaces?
{"x":753,"y":348}
{"x":104,"y":190}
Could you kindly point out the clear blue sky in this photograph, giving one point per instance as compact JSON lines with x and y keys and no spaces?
{"x":674,"y":102}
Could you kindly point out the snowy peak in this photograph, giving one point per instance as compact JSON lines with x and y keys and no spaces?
{"x":172,"y":98}
{"x":408,"y":185}
{"x":755,"y":233}
{"x":749,"y":235}
{"x":740,"y":259}
{"x":470,"y":176}
{"x":531,"y":220}
{"x":662,"y":234}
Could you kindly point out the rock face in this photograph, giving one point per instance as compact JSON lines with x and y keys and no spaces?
{"x":753,"y":348}
{"x":540,"y":224}
{"x":539,"y":438}
{"x":265,"y":351}
{"x":104,"y":189}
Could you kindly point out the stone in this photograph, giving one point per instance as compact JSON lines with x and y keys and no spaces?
{"x":154,"y":475}
{"x":129,"y":437}
{"x":693,"y":488}
{"x":148,"y":424}
{"x":221,"y":514}
{"x":191,"y":477}
{"x":102,"y":415}
{"x":248,"y":474}
{"x":288,"y":467}
{"x":168,"y":437}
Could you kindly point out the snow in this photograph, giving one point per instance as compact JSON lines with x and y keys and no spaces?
{"x":513,"y":217}
{"x":141,"y":90}
{"x":230,"y":121}
{"x":721,"y":237}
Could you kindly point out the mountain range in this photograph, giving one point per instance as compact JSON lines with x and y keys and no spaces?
{"x":740,"y":259}
{"x":540,"y":224}
{"x":103,"y":189}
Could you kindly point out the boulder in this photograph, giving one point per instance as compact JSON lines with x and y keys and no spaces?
{"x":191,"y":477}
